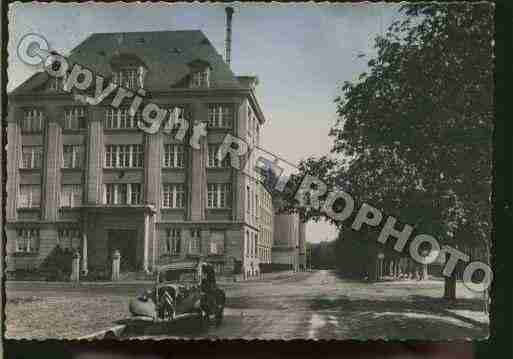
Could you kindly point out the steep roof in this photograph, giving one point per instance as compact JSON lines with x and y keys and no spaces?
{"x":166,"y":54}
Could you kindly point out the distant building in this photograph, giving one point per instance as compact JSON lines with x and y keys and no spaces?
{"x":302,"y":246}
{"x":266,"y":226}
{"x":286,"y":240}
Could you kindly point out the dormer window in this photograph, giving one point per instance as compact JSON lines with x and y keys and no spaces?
{"x":129,"y":77}
{"x":200,"y":78}
{"x":200,"y":74}
{"x":56,"y":84}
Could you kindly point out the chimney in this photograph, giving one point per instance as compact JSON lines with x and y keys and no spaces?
{"x":228,"y":41}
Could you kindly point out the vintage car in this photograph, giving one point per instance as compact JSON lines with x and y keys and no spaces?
{"x":182,"y":289}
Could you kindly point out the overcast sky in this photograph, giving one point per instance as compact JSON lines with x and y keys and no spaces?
{"x":301,"y":54}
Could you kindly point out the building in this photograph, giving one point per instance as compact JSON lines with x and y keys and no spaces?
{"x":85,"y":178}
{"x":302,"y":246}
{"x":266,"y":226}
{"x":285,"y":252}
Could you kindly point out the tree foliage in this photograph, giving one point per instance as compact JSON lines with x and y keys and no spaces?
{"x":413,"y":135}
{"x":419,"y":126}
{"x":414,"y":132}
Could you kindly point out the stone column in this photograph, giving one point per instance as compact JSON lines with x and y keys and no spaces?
{"x":95,"y":156}
{"x":84,"y":253}
{"x":154,"y":241}
{"x":75,"y":267}
{"x":146,"y":242}
{"x":52,"y":164}
{"x":152,"y":169}
{"x":116,"y":259}
{"x":197,"y":173}
{"x":184,"y":243}
{"x":205,"y":242}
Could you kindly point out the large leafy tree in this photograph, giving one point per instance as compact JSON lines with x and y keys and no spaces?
{"x":413,"y":136}
{"x":418,"y":125}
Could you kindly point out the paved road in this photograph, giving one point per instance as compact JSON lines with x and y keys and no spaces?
{"x":319,"y":305}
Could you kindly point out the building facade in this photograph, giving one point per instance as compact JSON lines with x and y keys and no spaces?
{"x":302,"y":246}
{"x":85,"y":178}
{"x":266,"y":226}
{"x":286,"y":240}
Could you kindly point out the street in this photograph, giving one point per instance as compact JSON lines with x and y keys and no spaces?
{"x":319,"y":305}
{"x":308,"y":305}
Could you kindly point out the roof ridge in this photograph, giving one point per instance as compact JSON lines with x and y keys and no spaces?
{"x":144,"y":32}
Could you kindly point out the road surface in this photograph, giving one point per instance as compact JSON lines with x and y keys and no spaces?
{"x":319,"y":305}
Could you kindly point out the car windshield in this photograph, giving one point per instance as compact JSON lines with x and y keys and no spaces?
{"x":188,"y":275}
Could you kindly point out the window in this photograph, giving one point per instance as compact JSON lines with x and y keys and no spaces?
{"x":175,"y":119}
{"x":72,"y":156}
{"x":216,"y":242}
{"x":32,"y":120}
{"x":213,"y":157}
{"x":123,"y":193}
{"x":173,"y":241}
{"x":124,"y":156}
{"x":173,"y":156}
{"x":195,"y":242}
{"x":69,"y":239}
{"x":30,"y":196}
{"x":135,"y":195}
{"x":137,"y":155}
{"x":200,"y":78}
{"x":220,"y":116}
{"x":213,"y":247}
{"x":56,"y":84}
{"x":71,"y":195}
{"x":219,"y":195}
{"x":127,"y":77}
{"x":121,"y":118}
{"x":31,"y":157}
{"x":75,"y":118}
{"x":173,"y":196}
{"x":27,"y":241}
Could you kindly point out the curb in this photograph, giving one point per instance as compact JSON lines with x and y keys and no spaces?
{"x":109,"y":333}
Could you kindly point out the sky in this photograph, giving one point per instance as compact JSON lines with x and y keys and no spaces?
{"x":301,"y":54}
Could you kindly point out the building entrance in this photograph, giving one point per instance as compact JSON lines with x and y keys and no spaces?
{"x":125,"y":241}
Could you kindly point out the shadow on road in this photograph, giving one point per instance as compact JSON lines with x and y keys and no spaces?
{"x":410,"y":317}
{"x":185,"y":328}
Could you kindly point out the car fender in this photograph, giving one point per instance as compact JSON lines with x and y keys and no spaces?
{"x":144,"y":308}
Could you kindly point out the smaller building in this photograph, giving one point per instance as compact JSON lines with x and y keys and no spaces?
{"x":302,"y":246}
{"x":285,"y":251}
{"x":265,"y":226}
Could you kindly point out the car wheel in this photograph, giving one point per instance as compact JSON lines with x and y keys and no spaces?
{"x":203,"y":319}
{"x":219,"y":315}
{"x":171,"y":314}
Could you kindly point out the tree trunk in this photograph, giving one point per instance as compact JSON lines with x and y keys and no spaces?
{"x":450,"y":287}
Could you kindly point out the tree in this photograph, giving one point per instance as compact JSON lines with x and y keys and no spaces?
{"x":413,"y":135}
{"x":418,"y":125}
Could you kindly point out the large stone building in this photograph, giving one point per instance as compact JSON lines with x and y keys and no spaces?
{"x":85,"y":178}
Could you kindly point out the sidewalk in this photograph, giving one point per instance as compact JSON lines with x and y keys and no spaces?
{"x":221,"y":280}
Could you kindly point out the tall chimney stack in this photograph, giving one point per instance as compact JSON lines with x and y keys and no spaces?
{"x":228,"y":41}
